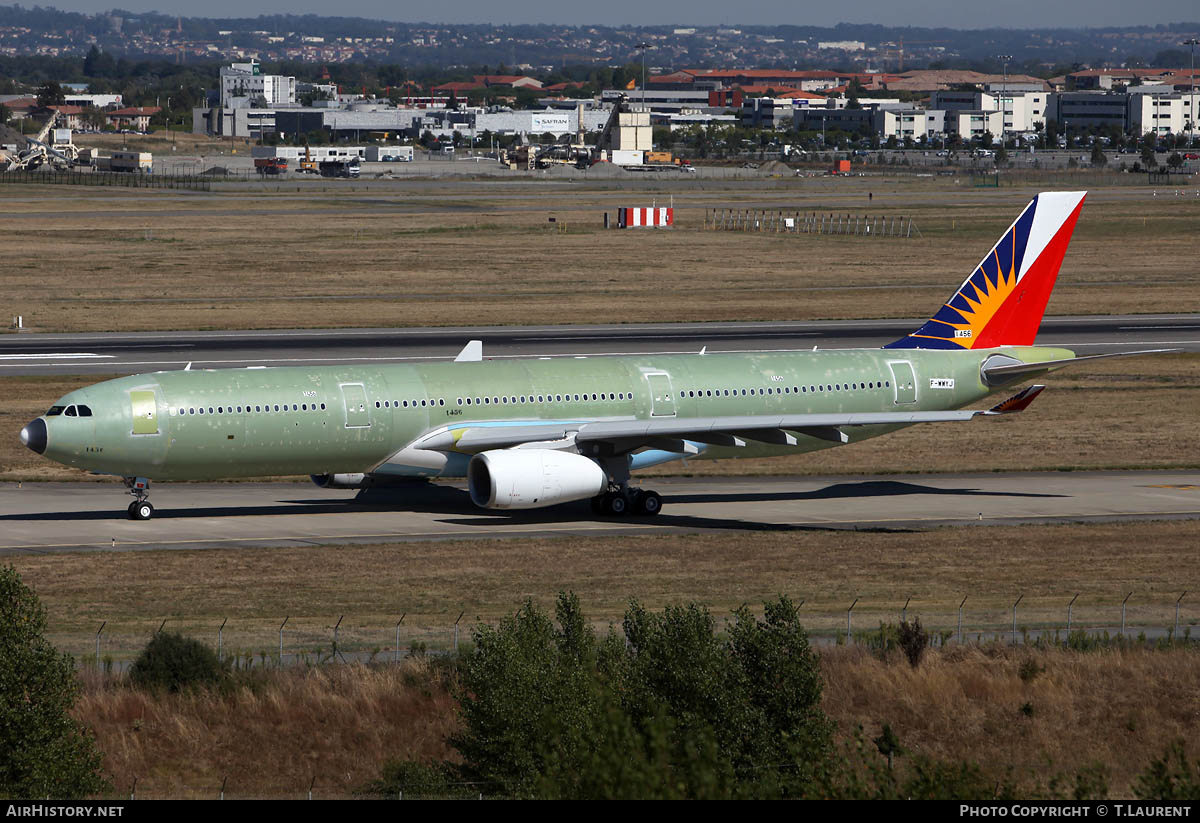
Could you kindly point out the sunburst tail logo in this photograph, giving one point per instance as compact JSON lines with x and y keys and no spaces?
{"x":1002,"y":302}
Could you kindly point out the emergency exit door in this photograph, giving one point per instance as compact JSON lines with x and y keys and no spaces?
{"x":354,"y":396}
{"x":904,"y":382}
{"x":662,"y":401}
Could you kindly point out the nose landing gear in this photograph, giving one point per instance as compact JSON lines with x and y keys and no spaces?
{"x":140,"y":508}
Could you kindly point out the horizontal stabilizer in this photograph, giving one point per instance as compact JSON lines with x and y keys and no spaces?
{"x":1010,"y":371}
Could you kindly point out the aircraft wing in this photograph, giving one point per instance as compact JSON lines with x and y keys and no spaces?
{"x":682,"y":433}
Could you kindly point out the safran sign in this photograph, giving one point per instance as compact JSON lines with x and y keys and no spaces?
{"x":559,"y":123}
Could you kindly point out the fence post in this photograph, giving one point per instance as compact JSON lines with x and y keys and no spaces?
{"x":456,"y":622}
{"x":1014,"y":616}
{"x":281,"y":625}
{"x":960,"y":611}
{"x":1176,"y":616}
{"x":396,"y":656}
{"x":220,"y":637}
{"x":105,"y":623}
{"x":849,"y":612}
{"x":1069,"y":607}
{"x":1123,"y":602}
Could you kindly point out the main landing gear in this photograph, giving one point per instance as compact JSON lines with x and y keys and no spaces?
{"x":625,"y":501}
{"x":140,"y":508}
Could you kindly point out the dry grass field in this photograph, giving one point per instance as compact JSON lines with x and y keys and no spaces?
{"x":335,"y":726}
{"x":432,"y":582}
{"x":423,"y":253}
{"x":1094,"y":416}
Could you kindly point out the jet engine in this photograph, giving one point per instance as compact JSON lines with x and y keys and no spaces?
{"x":356,"y":480}
{"x":532,"y":478}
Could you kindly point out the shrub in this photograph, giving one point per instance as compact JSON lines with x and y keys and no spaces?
{"x":913,"y":640}
{"x":412,"y":779}
{"x":1170,"y":777}
{"x":172,"y":662}
{"x":43,"y":752}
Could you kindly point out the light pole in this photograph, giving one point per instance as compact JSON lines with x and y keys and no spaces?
{"x":1191,"y":43}
{"x":1004,"y":58}
{"x":643,"y":47}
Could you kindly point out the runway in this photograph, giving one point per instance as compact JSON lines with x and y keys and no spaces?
{"x":32,"y":354}
{"x":48,"y":518}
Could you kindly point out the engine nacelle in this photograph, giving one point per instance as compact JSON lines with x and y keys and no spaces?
{"x":355,"y":480}
{"x":532,"y":478}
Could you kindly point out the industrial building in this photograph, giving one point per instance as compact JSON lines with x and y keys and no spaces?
{"x":250,"y":104}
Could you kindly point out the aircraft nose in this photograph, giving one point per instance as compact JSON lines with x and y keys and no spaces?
{"x":34,"y":436}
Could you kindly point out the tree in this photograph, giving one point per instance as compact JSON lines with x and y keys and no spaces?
{"x":672,"y":710}
{"x":43,"y":751}
{"x":1099,"y":159}
{"x":51,"y":94}
{"x":4,"y":115}
{"x":1175,"y":161}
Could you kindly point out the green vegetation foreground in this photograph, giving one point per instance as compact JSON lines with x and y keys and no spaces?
{"x":669,"y":707}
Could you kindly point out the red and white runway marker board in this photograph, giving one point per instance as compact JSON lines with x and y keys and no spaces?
{"x":629,"y":218}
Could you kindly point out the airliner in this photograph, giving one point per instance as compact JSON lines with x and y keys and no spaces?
{"x":533,"y":433}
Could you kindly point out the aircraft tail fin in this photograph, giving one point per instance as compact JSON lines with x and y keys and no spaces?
{"x":1002,"y":302}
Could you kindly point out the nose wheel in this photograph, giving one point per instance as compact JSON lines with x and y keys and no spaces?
{"x":140,"y":508}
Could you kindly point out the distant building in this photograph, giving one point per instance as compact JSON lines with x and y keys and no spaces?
{"x":99,"y":101}
{"x":1156,"y":114}
{"x":243,"y":85}
{"x":973,"y":124}
{"x":1090,"y":109}
{"x":136,"y":118}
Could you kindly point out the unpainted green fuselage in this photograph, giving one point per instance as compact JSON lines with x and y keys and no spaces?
{"x":212,"y":424}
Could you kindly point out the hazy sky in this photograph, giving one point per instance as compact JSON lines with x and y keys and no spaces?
{"x":951,"y":13}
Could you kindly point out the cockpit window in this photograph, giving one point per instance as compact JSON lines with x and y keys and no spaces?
{"x":85,"y":411}
{"x":71,"y":412}
{"x":55,"y":411}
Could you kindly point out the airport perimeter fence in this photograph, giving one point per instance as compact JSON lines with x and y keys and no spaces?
{"x":781,"y":222}
{"x":107,"y":179}
{"x":1125,"y":620}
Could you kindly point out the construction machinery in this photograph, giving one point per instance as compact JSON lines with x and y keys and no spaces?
{"x":38,"y":152}
{"x":306,"y":164}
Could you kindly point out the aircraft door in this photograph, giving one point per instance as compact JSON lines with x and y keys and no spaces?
{"x":662,"y":401}
{"x":354,"y":397}
{"x":904,"y":382}
{"x":144,"y":409}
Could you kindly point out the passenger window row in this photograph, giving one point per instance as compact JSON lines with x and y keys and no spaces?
{"x":821,"y":388}
{"x":266,"y":408}
{"x":522,"y":399}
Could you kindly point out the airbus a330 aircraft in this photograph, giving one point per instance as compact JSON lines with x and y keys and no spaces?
{"x":533,"y":433}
